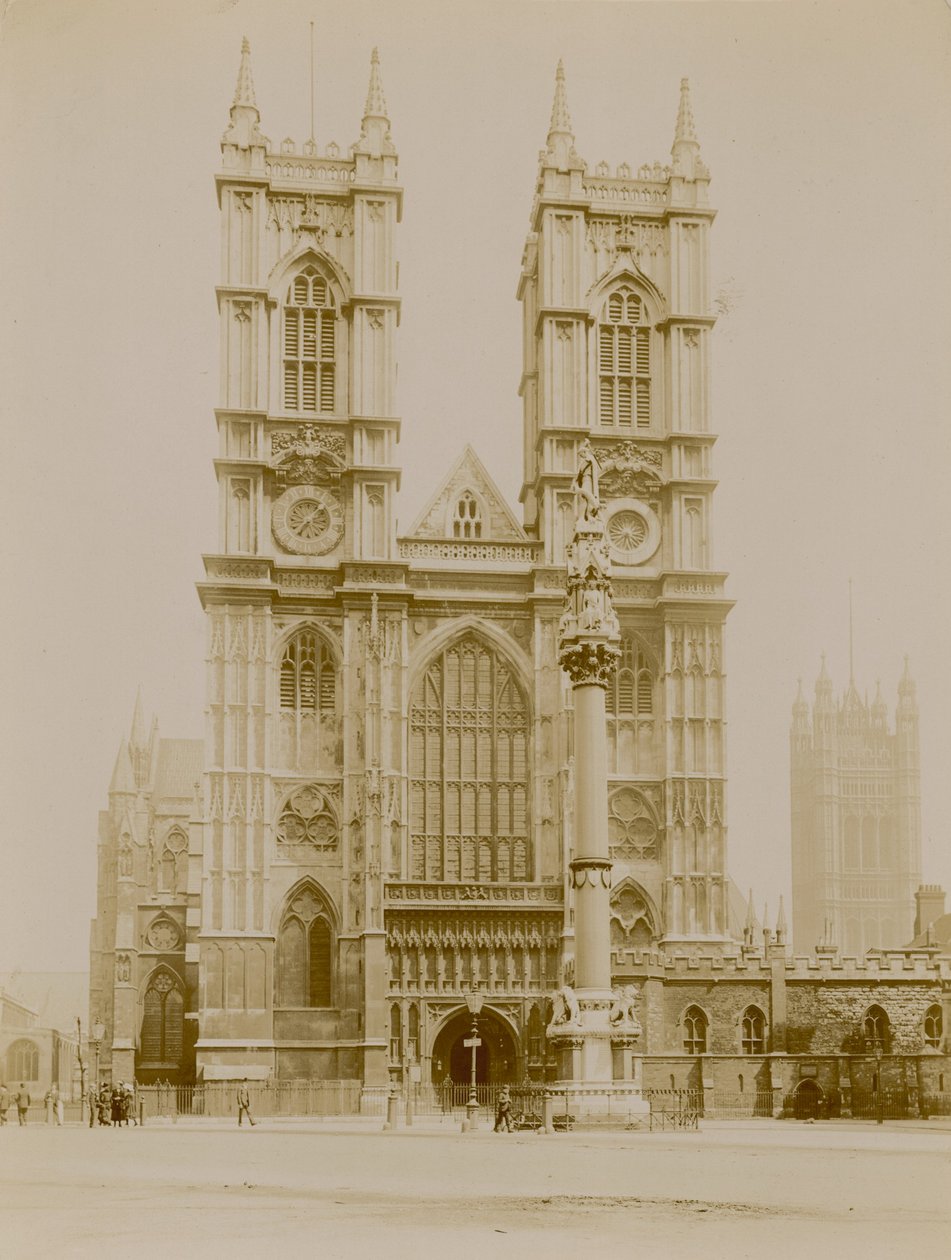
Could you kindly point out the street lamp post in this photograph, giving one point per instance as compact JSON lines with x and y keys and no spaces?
{"x":474,"y":1002}
{"x":96,"y":1034}
{"x":880,"y":1109}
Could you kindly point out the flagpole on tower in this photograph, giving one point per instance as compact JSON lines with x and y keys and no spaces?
{"x":312,"y":75}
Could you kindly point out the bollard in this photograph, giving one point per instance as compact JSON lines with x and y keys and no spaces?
{"x":409,"y":1107}
{"x":391,"y":1105}
{"x":547,"y":1121}
{"x":141,"y":1113}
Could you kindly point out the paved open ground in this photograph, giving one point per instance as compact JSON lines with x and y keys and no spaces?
{"x":329,"y":1189}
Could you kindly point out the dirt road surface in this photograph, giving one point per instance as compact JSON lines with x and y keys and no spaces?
{"x":332,"y":1190}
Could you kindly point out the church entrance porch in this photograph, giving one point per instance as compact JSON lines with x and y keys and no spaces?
{"x":496,"y":1058}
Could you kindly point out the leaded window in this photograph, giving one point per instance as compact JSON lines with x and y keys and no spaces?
{"x":305,"y":953}
{"x":753,"y":1031}
{"x":23,"y":1061}
{"x":309,"y":350}
{"x":163,"y":1021}
{"x":875,"y":1029}
{"x":695,"y":1031}
{"x":469,"y":769}
{"x":624,"y":362}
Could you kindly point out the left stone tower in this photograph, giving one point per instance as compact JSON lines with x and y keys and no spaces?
{"x":306,"y":476}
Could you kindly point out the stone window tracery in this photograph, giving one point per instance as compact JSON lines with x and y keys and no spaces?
{"x":163,"y":1021}
{"x":309,"y":351}
{"x":934,"y":1027}
{"x":632,"y":830}
{"x":875,"y":1029}
{"x":753,"y":1031}
{"x":695,"y":1031}
{"x":631,"y":692}
{"x":467,"y":517}
{"x":23,"y":1061}
{"x":305,"y":952}
{"x":469,"y":769}
{"x":307,"y":818}
{"x":624,"y":362}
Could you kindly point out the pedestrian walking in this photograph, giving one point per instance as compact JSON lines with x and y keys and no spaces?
{"x":503,"y":1111}
{"x":104,"y":1104}
{"x":244,"y":1103}
{"x":54,"y":1105}
{"x":22,"y":1101}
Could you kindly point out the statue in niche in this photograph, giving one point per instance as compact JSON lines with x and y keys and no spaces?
{"x":585,"y":483}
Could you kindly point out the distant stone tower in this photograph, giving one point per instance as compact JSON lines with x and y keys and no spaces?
{"x":856,"y":825}
{"x":617,"y":320}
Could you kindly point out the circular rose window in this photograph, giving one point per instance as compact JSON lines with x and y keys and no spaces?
{"x":633,"y":533}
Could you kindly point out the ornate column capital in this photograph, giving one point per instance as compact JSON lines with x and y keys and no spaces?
{"x":590,"y":870}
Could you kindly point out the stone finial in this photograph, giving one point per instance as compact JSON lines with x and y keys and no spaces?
{"x":244,"y":89}
{"x":781,"y":924}
{"x":561,"y":141}
{"x":376,"y":102}
{"x":684,"y":131}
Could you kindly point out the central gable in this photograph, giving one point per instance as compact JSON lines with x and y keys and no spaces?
{"x":468,"y":506}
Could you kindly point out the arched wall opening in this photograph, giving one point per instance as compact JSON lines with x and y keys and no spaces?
{"x":497,"y":1057}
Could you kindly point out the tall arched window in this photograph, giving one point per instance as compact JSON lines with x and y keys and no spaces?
{"x":631,"y":692}
{"x":305,"y":952}
{"x":163,"y":1022}
{"x":469,"y":769}
{"x":309,"y":352}
{"x":308,"y":675}
{"x":624,"y":362}
{"x":875,"y":1029}
{"x":753,"y":1031}
{"x":695,"y":1031}
{"x":934,"y":1027}
{"x":23,"y":1061}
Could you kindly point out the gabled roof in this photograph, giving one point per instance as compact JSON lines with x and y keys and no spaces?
{"x":468,"y":473}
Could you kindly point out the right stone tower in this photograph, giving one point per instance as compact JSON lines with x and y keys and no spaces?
{"x":617,"y":319}
{"x":856,"y":818}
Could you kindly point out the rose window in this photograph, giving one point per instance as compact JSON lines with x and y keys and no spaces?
{"x":627,"y":530}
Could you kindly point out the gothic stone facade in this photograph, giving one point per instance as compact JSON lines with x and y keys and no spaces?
{"x":384,"y":815}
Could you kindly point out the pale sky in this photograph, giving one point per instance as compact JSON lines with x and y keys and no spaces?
{"x":826,"y":128}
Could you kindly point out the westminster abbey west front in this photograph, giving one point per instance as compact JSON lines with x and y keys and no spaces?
{"x":379,"y":820}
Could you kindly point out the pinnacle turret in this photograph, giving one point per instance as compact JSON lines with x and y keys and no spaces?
{"x":244,"y":88}
{"x":375,"y":127}
{"x":685,"y":150}
{"x":139,"y":734}
{"x":561,"y":140}
{"x":123,"y":779}
{"x":907,"y":691}
{"x":243,"y":131}
{"x":824,"y":685}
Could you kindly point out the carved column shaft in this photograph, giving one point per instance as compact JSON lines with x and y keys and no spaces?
{"x":591,"y":867}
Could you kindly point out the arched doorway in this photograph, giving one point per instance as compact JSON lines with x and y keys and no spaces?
{"x":496,"y":1057}
{"x":806,"y":1100}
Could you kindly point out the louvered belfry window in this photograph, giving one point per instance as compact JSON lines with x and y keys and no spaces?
{"x":631,"y":692}
{"x":308,"y":676}
{"x":624,"y":362}
{"x":309,"y":344}
{"x":469,"y":785}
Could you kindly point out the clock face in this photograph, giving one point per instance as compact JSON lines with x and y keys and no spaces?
{"x":307,"y":520}
{"x":163,"y":935}
{"x":633,"y":532}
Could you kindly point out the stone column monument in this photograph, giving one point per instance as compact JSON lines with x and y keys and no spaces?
{"x":593,"y":1029}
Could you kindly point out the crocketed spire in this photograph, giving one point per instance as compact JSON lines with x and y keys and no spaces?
{"x":376,"y":102}
{"x":685,"y":151}
{"x":244,"y":89}
{"x":685,"y":130}
{"x":560,"y":118}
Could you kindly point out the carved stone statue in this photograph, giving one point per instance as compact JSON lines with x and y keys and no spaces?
{"x":567,"y":1010}
{"x":624,"y":1009}
{"x":585,"y":483}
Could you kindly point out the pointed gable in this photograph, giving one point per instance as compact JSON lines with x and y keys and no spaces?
{"x":486,"y":516}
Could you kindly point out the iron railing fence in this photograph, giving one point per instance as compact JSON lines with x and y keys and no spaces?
{"x":880,"y":1104}
{"x":267,"y":1099}
{"x":933,"y":1104}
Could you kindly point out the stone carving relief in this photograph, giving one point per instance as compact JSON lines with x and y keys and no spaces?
{"x":624,"y":1009}
{"x":308,"y":821}
{"x":629,"y":470}
{"x":123,"y":968}
{"x":566,"y":1010}
{"x":632,"y":826}
{"x":311,"y":454}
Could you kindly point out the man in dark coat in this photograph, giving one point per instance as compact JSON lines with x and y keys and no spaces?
{"x":22,"y":1101}
{"x":244,"y":1103}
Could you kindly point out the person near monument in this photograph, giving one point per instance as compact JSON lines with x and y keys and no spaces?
{"x":54,"y":1105}
{"x":244,"y":1103}
{"x":22,"y":1101}
{"x":503,"y":1111}
{"x":4,"y":1103}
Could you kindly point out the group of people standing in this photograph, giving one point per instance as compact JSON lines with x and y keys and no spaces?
{"x":22,"y":1100}
{"x":115,"y":1105}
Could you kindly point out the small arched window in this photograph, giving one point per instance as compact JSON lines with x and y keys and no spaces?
{"x":753,"y":1031}
{"x":934,"y":1027}
{"x":305,"y":953}
{"x":875,"y":1029}
{"x":624,"y":362}
{"x":309,"y":352}
{"x":23,"y":1061}
{"x":467,"y":517}
{"x":695,"y":1031}
{"x":163,"y":1022}
{"x":308,"y":675}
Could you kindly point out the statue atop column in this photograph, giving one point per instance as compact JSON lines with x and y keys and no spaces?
{"x":588,"y":633}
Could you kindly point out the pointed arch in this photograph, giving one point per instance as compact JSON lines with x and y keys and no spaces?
{"x":162,"y":1030}
{"x":753,"y":1031}
{"x":469,"y":757}
{"x":305,"y":971}
{"x":635,"y":922}
{"x":307,"y":660}
{"x":876,"y":1029}
{"x":695,"y":1028}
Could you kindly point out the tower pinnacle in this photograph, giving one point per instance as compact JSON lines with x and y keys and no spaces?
{"x":244,"y":89}
{"x":375,"y":127}
{"x":685,"y":150}
{"x":561,"y":140}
